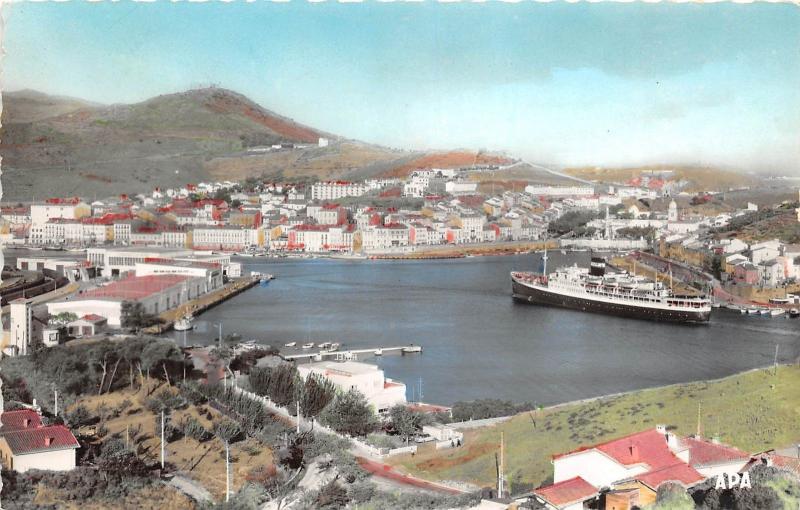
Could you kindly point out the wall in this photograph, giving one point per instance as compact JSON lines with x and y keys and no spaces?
{"x":593,"y":466}
{"x":59,"y":460}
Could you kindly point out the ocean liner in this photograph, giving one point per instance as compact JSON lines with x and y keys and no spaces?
{"x":622,"y":294}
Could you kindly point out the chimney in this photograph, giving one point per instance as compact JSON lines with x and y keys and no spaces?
{"x":715,"y":439}
{"x":672,"y":441}
{"x":25,"y":422}
{"x":661,"y":429}
{"x":48,"y":440}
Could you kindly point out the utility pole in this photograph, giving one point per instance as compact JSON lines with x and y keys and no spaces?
{"x":55,"y":399}
{"x":500,"y":478}
{"x":420,"y":390}
{"x":775,"y":362}
{"x":227,"y":472}
{"x":298,"y":416}
{"x":162,"y":439}
{"x":699,"y":429}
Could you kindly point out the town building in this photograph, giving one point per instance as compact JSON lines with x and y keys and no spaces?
{"x":334,"y":190}
{"x":380,"y":392}
{"x":156,"y":293}
{"x":559,"y":191}
{"x":25,"y":443}
{"x":627,"y":472}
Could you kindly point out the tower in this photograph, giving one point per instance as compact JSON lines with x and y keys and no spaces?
{"x":21,"y":313}
{"x":672,"y":214}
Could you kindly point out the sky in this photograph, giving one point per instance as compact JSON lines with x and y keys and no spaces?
{"x":559,"y":83}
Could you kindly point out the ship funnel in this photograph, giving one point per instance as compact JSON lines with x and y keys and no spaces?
{"x":598,"y":266}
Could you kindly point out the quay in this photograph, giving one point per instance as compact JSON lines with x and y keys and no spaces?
{"x":352,"y":354}
{"x":203,"y":303}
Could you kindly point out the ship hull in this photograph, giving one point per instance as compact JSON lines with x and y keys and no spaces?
{"x":533,"y":295}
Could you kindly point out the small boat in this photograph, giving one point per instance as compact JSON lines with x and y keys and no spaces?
{"x":183,"y":324}
{"x":324,"y":345}
{"x":794,"y":313}
{"x":742,"y":311}
{"x":378,"y":352}
{"x":775,"y":312}
{"x":334,"y":346}
{"x":753,"y":311}
{"x":764,"y":311}
{"x":412,"y":349}
{"x":290,"y":344}
{"x":308,"y":345}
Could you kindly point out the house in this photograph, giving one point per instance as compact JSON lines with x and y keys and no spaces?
{"x":628,"y":471}
{"x":88,"y":325}
{"x":569,"y":494}
{"x":380,"y":392}
{"x":25,"y":443}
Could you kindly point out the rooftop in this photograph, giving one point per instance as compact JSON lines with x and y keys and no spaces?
{"x":14,"y":421}
{"x":703,"y":452}
{"x":570,"y":491}
{"x":56,"y":437}
{"x":134,"y":287}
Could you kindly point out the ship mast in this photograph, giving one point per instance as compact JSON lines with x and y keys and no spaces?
{"x":544,"y":263}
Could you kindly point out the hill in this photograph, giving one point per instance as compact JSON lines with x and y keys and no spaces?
{"x":56,"y":146}
{"x":30,"y":105}
{"x":697,"y":178}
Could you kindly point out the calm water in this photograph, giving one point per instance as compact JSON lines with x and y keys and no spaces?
{"x":479,"y":343}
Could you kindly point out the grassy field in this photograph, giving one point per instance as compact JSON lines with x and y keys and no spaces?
{"x":204,"y":462}
{"x":753,"y":411}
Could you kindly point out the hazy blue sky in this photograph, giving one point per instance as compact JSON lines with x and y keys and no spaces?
{"x":561,"y":83}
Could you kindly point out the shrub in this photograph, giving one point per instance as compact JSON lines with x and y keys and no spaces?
{"x":331,"y":496}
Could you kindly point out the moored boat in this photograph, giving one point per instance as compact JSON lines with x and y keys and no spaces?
{"x":776,"y":312}
{"x":308,"y":345}
{"x":411,"y":349}
{"x":794,"y":313}
{"x":183,"y":324}
{"x":290,"y":344}
{"x":621,"y":294}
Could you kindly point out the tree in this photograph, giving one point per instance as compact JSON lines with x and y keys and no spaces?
{"x":672,"y":496}
{"x":134,"y":316}
{"x":62,"y":319}
{"x":227,"y":430}
{"x":277,"y":383}
{"x":315,"y":394}
{"x":405,"y":421}
{"x":159,"y":354}
{"x":349,"y":413}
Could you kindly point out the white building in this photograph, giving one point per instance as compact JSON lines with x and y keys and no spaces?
{"x":227,"y":238}
{"x":156,"y":293}
{"x":21,"y":323}
{"x":333,"y":190}
{"x":380,"y":392}
{"x":26,"y":444}
{"x":559,"y":191}
{"x":460,"y":187}
{"x":59,"y":209}
{"x":385,"y":237}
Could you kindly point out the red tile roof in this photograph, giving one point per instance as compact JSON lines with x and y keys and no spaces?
{"x":15,"y":420}
{"x":681,"y":473}
{"x":646,"y":447}
{"x":93,"y":317}
{"x":771,"y":458}
{"x":567,"y":492}
{"x":702,"y":452}
{"x":56,"y":437}
{"x":134,"y":287}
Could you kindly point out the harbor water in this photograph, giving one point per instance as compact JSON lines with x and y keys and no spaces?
{"x":479,"y":343}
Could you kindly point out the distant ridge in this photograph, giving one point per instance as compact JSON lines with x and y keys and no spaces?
{"x":57,"y":146}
